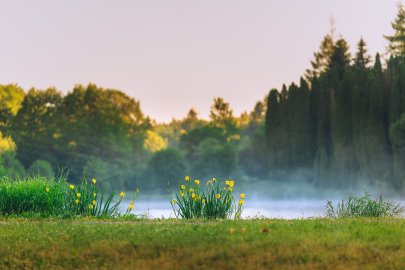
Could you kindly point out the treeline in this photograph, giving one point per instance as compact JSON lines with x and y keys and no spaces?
{"x":342,"y":125}
{"x":103,"y":133}
{"x":345,"y":122}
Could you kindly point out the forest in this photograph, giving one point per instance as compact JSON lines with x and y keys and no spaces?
{"x":342,"y":125}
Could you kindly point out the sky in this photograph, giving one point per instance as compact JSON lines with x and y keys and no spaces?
{"x":178,"y":54}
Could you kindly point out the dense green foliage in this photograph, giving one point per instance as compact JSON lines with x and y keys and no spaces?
{"x":55,"y":197}
{"x":171,"y":244}
{"x":32,"y":195}
{"x":341,"y":125}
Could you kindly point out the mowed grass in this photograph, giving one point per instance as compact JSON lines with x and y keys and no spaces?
{"x":175,"y":244}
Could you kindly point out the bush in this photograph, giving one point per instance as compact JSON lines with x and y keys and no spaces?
{"x":40,"y":167}
{"x":216,"y":201}
{"x":33,"y":195}
{"x":363,"y":206}
{"x":165,"y":165}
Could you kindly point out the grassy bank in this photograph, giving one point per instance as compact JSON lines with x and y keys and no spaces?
{"x":173,"y":244}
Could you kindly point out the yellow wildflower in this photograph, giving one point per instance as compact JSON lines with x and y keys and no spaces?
{"x":122,"y":194}
{"x":242,"y":196}
{"x":231,"y":183}
{"x":197,"y":182}
{"x":218,"y":196}
{"x":174,"y":201}
{"x":78,"y":195}
{"x":94,"y":194}
{"x":193,"y":195}
{"x":182,"y":186}
{"x":72,"y":187}
{"x":77,"y":201}
{"x":191,"y":190}
{"x":91,"y":206}
{"x":47,"y":189}
{"x":94,"y":202}
{"x":187,"y":178}
{"x":182,"y":194}
{"x":241,"y":202}
{"x":227,"y":183}
{"x":131,"y":205}
{"x":94,"y":181}
{"x":209,"y":183}
{"x":214,"y":179}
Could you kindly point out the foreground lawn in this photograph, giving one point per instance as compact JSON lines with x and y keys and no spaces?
{"x":171,"y":244}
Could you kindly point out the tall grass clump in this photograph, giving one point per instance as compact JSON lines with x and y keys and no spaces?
{"x":33,"y":194}
{"x":214,"y":201}
{"x":85,"y":199}
{"x":363,"y":206}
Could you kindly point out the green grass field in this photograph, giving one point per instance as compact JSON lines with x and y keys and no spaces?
{"x":173,"y":244}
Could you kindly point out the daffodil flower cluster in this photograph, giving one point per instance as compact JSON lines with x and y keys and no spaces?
{"x":215,"y":200}
{"x":84,"y":200}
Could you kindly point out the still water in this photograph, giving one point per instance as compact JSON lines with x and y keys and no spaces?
{"x":283,"y":208}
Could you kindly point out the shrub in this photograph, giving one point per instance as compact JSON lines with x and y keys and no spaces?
{"x":215,"y":201}
{"x":363,"y":206}
{"x":165,"y":164}
{"x":41,"y":167}
{"x":33,"y":195}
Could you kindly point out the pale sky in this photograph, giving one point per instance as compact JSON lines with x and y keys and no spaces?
{"x":176,"y":54}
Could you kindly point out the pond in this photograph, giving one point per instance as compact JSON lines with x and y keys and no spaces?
{"x":280,"y":208}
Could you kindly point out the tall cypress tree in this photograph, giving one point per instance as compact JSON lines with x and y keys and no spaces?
{"x":396,"y":46}
{"x":362,"y":59}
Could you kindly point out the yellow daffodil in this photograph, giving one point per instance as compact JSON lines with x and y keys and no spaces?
{"x":131,"y":205}
{"x":72,"y":187}
{"x":182,"y":194}
{"x":231,"y":183}
{"x":91,"y":206}
{"x":196,"y":181}
{"x":214,"y":179}
{"x":94,"y":202}
{"x":191,"y":190}
{"x":122,"y":194}
{"x":47,"y":189}
{"x":193,"y":195}
{"x":94,"y":181}
{"x":218,"y":196}
{"x":174,"y":201}
{"x":242,"y":196}
{"x":77,"y":201}
{"x":94,"y":194}
{"x":227,"y":183}
{"x":187,"y":178}
{"x":241,"y":202}
{"x":78,"y":195}
{"x":183,"y":187}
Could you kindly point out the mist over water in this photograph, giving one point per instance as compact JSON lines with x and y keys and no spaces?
{"x":272,"y":199}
